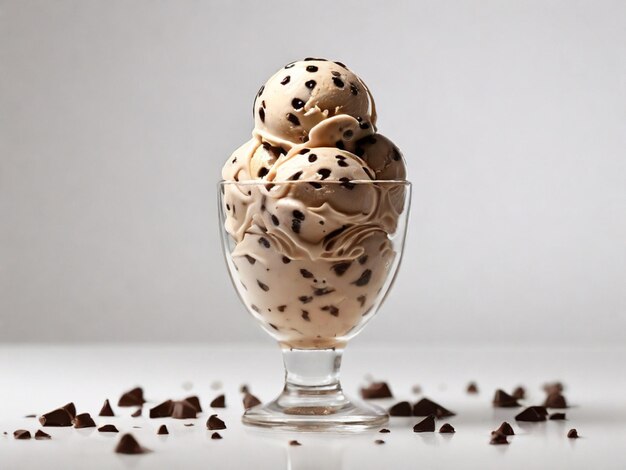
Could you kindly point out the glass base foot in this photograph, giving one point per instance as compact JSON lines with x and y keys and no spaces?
{"x":326,"y":412}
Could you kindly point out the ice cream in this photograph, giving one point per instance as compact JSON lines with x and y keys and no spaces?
{"x":309,"y":218}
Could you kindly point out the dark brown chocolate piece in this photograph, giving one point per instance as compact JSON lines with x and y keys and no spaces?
{"x":41,"y":435}
{"x":425,"y":425}
{"x":555,"y":400}
{"x":71,"y":409}
{"x":552,"y":387}
{"x":379,"y":441}
{"x":501,"y":399}
{"x":532,"y":414}
{"x":557,"y":417}
{"x":506,"y":429}
{"x":294,"y":443}
{"x":250,"y":400}
{"x":218,"y":402}
{"x":106,"y":409}
{"x":498,"y":438}
{"x":183,"y":410}
{"x":519,"y":393}
{"x":30,"y":416}
{"x":58,"y":418}
{"x":573,"y":434}
{"x":107,"y":428}
{"x":426,"y":407}
{"x":216,"y":435}
{"x":402,"y":408}
{"x":214,"y":423}
{"x":136,"y":413}
{"x":384,"y":430}
{"x":376,"y":390}
{"x":244,"y":388}
{"x":133,"y":397}
{"x":83,"y":420}
{"x":163,"y":430}
{"x":415,"y":388}
{"x":129,"y":445}
{"x":195,"y":402}
{"x":163,"y":410}
{"x":447,"y":429}
{"x":22,"y":434}
{"x":472,"y":388}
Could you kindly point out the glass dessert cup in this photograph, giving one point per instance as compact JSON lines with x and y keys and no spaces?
{"x":312,"y":261}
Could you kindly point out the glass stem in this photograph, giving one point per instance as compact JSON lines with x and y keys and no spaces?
{"x":312,"y":372}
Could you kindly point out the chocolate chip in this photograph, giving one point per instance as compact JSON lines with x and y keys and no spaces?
{"x":553,"y":387}
{"x":286,"y":260}
{"x":519,"y":393}
{"x":21,"y":434}
{"x":305,"y":299}
{"x":215,"y":423}
{"x":262,"y":172}
{"x":296,"y":225}
{"x":162,"y":430}
{"x":555,"y":400}
{"x":136,"y":413}
{"x":340,"y":145}
{"x":218,"y":402}
{"x":163,"y":410}
{"x":107,"y":428}
{"x":40,"y":435}
{"x":312,"y":158}
{"x":334,"y":311}
{"x":254,"y":307}
{"x":263,"y":242}
{"x":361,"y":299}
{"x":106,"y":409}
{"x":264,"y":287}
{"x":292,"y":118}
{"x":310,"y":84}
{"x":250,"y":259}
{"x":376,"y":390}
{"x":472,"y":388}
{"x":341,"y":268}
{"x":133,"y":397}
{"x":425,"y":425}
{"x":447,"y":429}
{"x":338,"y":82}
{"x":244,"y":389}
{"x":316,"y":185}
{"x":294,"y":443}
{"x":216,"y":435}
{"x":129,"y":445}
{"x":364,"y":279}
{"x":262,"y":114}
{"x":195,"y":402}
{"x":396,"y":154}
{"x":364,"y":125}
{"x":285,"y":80}
{"x":183,"y":410}
{"x":384,"y":431}
{"x":324,"y":173}
{"x":57,"y":418}
{"x":557,"y":417}
{"x":402,"y":408}
{"x":532,"y":414}
{"x":297,"y":103}
{"x":305,"y":315}
{"x":71,"y":409}
{"x":312,"y":68}
{"x":281,"y":308}
{"x":426,"y":407}
{"x":30,"y":416}
{"x":355,"y":91}
{"x":497,"y":438}
{"x":573,"y":434}
{"x":363,"y":259}
{"x":320,"y":291}
{"x":501,"y":399}
{"x":298,"y":214}
{"x":250,"y":400}
{"x":296,"y":176}
{"x":83,"y":420}
{"x":345,"y":182}
{"x":506,"y":429}
{"x":379,"y":441}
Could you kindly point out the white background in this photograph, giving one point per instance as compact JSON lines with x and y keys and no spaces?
{"x":115,"y":119}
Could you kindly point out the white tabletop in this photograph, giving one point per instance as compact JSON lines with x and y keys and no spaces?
{"x":36,"y":379}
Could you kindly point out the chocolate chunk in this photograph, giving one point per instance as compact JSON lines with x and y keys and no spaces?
{"x":250,"y":259}
{"x":555,"y":400}
{"x":106,"y":409}
{"x":250,"y":400}
{"x":342,"y":163}
{"x":58,"y":418}
{"x":286,"y":260}
{"x":21,"y":434}
{"x":244,"y":389}
{"x":324,"y":173}
{"x":214,"y":423}
{"x":294,"y":443}
{"x":531,"y":414}
{"x":425,"y":407}
{"x":379,"y":441}
{"x":295,"y":225}
{"x":163,"y":410}
{"x":334,"y":311}
{"x":553,"y":387}
{"x":354,"y":90}
{"x":107,"y":428}
{"x":364,"y":125}
{"x":416,"y":389}
{"x":312,"y":158}
{"x":311,"y":68}
{"x":305,"y":299}
{"x":519,"y":393}
{"x":220,"y":400}
{"x":338,"y":82}
{"x":376,"y":390}
{"x":361,"y":299}
{"x":557,"y":417}
{"x":384,"y":431}
{"x":195,"y":402}
{"x":472,"y":388}
{"x":572,"y":434}
{"x":306,"y":274}
{"x":83,"y":420}
{"x":501,"y":399}
{"x":263,"y":242}
{"x":71,"y":409}
{"x":498,"y":438}
{"x":402,"y":408}
{"x":40,"y":435}
{"x":133,"y":397}
{"x":447,"y":429}
{"x":254,"y":307}
{"x":506,"y":429}
{"x":305,"y":315}
{"x":364,"y":279}
{"x":216,"y":435}
{"x":129,"y":445}
{"x":310,"y":84}
{"x":363,"y":259}
{"x":183,"y":410}
{"x":396,"y":154}
{"x":293,"y":119}
{"x":262,"y":114}
{"x":340,"y":145}
{"x":319,"y":292}
{"x":162,"y":430}
{"x":281,"y":308}
{"x":136,"y":413}
{"x":285,"y":80}
{"x":263,"y":286}
{"x":341,"y":268}
{"x":30,"y":416}
{"x":262,"y":172}
{"x":425,"y":425}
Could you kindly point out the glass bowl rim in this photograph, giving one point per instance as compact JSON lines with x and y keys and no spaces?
{"x":266,"y":182}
